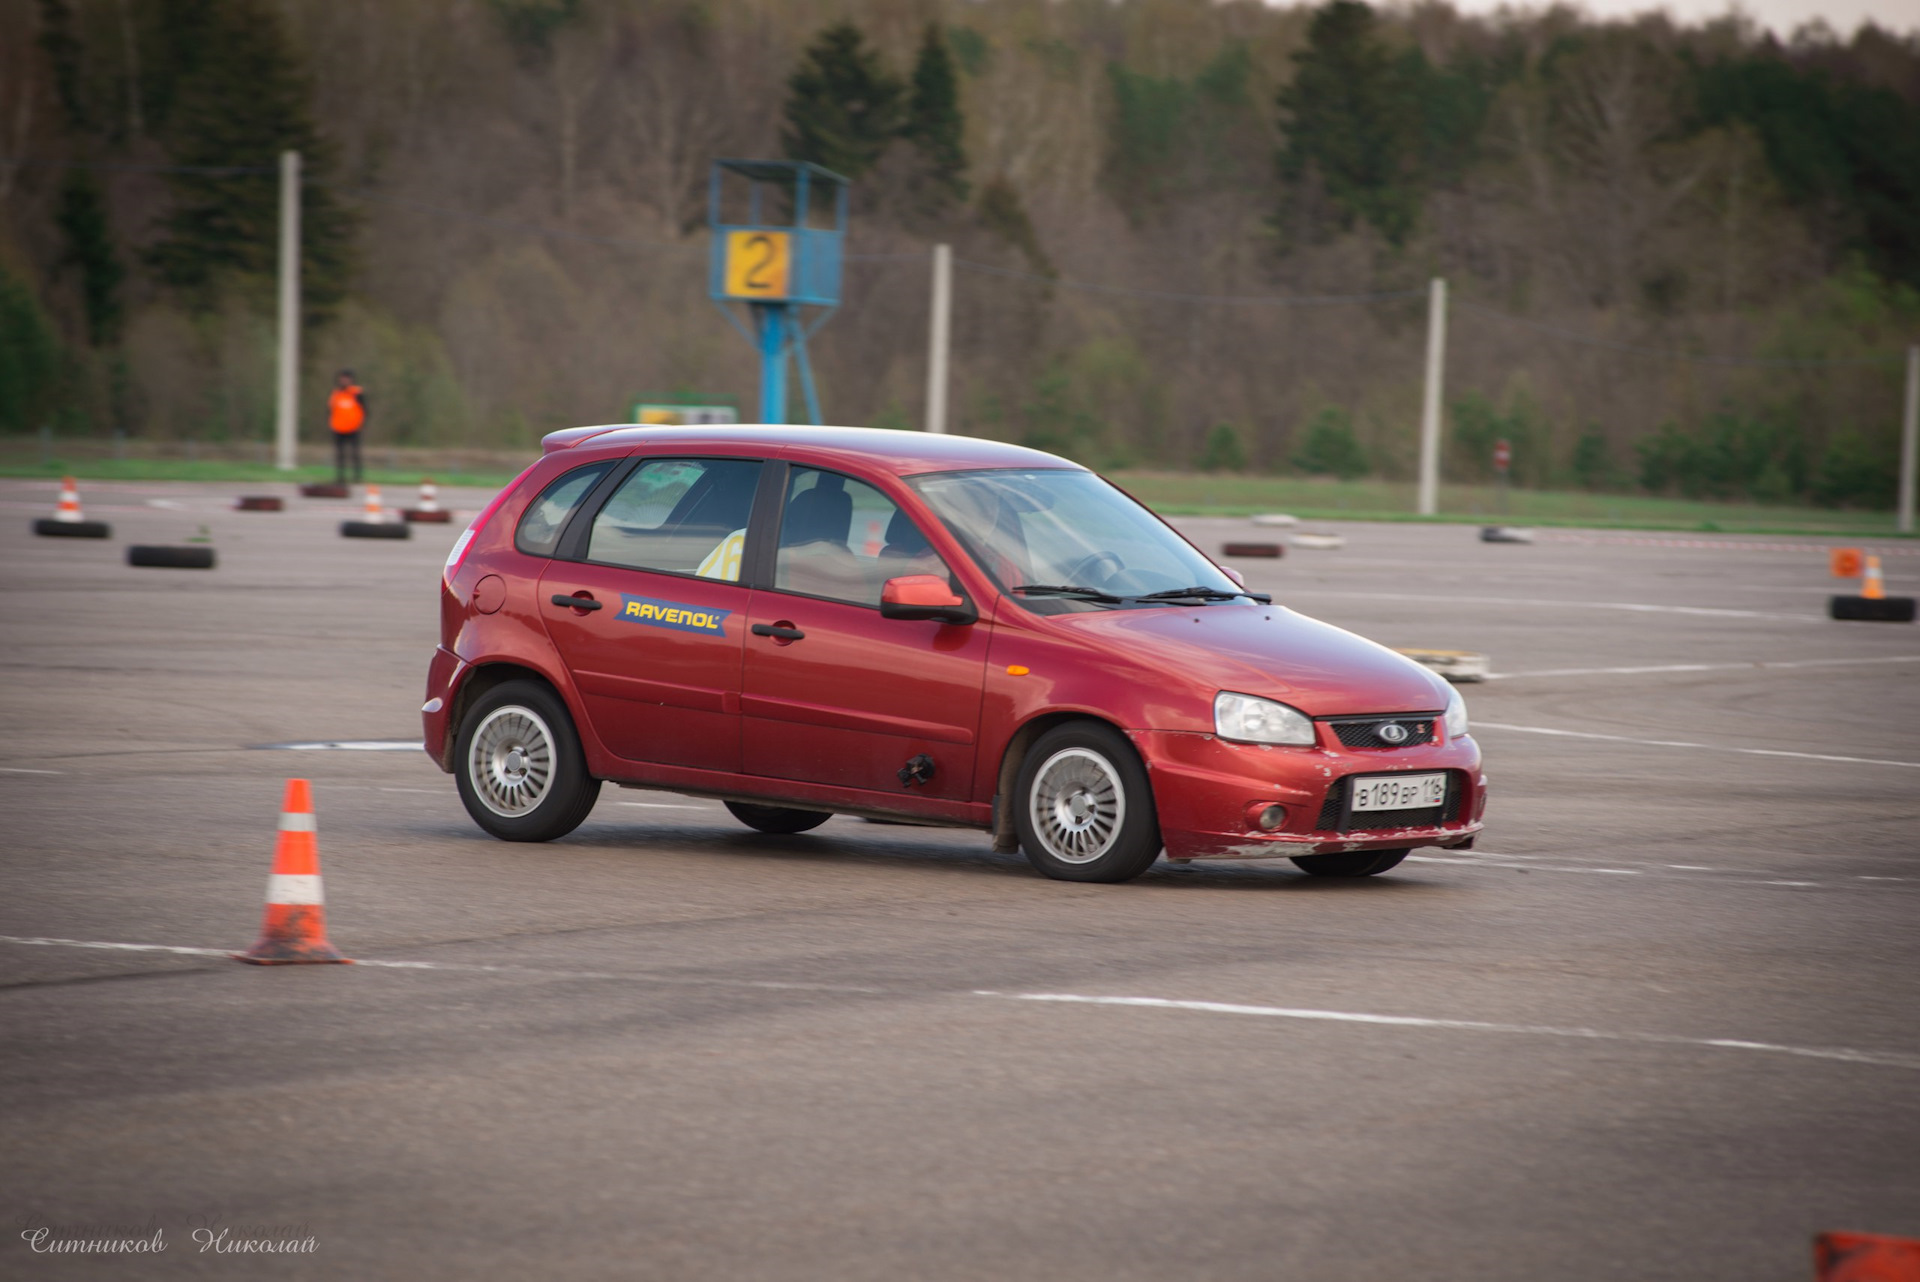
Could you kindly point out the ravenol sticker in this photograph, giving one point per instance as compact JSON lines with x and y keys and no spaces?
{"x":672,"y":614}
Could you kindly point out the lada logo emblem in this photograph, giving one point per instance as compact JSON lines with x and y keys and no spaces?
{"x":1392,"y":732}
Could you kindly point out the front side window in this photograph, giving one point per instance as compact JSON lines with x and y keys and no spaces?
{"x":547,"y":515}
{"x":843,"y":539}
{"x":1039,"y":532}
{"x":684,"y":516}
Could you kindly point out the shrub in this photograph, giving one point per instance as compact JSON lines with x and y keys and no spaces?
{"x":1223,"y":451}
{"x":1330,"y":447}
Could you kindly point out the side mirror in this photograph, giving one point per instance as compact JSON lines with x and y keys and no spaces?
{"x":924,"y":596}
{"x":1239,"y":579}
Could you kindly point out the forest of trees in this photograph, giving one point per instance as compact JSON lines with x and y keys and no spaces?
{"x":1189,"y":234}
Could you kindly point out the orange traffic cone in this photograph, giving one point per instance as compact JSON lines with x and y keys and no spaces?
{"x":375,"y":512}
{"x":67,"y":521}
{"x":1872,"y":586}
{"x":295,"y":928}
{"x":429,"y":509}
{"x":69,"y":508}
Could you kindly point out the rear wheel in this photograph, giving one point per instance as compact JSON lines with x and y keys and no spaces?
{"x":777,"y":818}
{"x":519,"y":766}
{"x":1352,"y":863}
{"x":1083,"y":806}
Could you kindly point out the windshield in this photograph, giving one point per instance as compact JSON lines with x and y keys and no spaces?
{"x":1066,"y":540}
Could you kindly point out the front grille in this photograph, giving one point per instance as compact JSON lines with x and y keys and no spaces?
{"x":1427,"y":817}
{"x":1364,"y":732}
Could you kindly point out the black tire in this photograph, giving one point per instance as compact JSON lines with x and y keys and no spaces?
{"x":780,"y":819}
{"x":324,"y":491}
{"x":1083,"y":806}
{"x":1887,"y":609}
{"x":1351,"y":863}
{"x":439,"y":516}
{"x":49,"y":528}
{"x":376,"y":530}
{"x":160,"y":557}
{"x":518,"y":764}
{"x":259,"y":503}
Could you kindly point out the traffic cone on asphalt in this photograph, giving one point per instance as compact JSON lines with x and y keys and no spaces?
{"x":1872,"y":586}
{"x":376,"y":513}
{"x":295,"y":927}
{"x":429,"y":509}
{"x":67,"y":520}
{"x":69,"y":507}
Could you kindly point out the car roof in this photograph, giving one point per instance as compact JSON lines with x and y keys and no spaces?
{"x":902,"y":453}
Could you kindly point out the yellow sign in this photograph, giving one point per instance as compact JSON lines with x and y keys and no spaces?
{"x":757,"y":263}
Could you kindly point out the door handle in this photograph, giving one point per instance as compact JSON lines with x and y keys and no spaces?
{"x":778,"y":631}
{"x":576,"y":602}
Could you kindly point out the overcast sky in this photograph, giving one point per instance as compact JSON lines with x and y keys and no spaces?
{"x":1780,"y":15}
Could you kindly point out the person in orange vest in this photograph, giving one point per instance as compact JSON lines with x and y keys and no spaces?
{"x":347,"y":415}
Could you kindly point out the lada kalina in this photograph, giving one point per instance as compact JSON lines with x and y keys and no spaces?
{"x":809,"y":621}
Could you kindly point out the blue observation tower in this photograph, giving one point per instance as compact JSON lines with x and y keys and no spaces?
{"x":778,"y":227}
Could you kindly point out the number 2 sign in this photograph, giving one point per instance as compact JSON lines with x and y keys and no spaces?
{"x":757,"y":263}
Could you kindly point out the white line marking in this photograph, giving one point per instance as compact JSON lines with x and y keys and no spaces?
{"x":131,"y":948}
{"x":1707,"y":747}
{"x":431,"y":792}
{"x":1864,"y":878}
{"x":1750,"y":666}
{"x":1635,"y":607}
{"x":1886,"y":1059}
{"x":663,"y":805}
{"x":1789,"y":883}
{"x":1702,"y":667}
{"x":22,"y":770}
{"x":1691,"y":867}
{"x":350,"y":745}
{"x":1883,"y":1058}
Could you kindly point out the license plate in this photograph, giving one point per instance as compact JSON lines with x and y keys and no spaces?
{"x":1398,"y":792}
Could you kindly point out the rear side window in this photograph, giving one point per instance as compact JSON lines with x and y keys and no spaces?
{"x":547,"y":515}
{"x":684,"y":516}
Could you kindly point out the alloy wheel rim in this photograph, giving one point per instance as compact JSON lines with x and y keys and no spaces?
{"x":1078,"y":805}
{"x":511,"y":761}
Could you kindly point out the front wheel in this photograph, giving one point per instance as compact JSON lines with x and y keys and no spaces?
{"x":519,"y":766}
{"x":1351,"y":863}
{"x":1083,"y":806}
{"x":781,"y":819}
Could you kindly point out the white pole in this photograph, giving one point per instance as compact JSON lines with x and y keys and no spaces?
{"x":286,"y":414}
{"x":939,"y":327}
{"x":1430,"y":401}
{"x":1909,"y":439}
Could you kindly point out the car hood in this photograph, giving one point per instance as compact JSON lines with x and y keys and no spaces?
{"x":1269,"y":651}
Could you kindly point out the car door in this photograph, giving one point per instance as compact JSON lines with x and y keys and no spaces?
{"x":646,"y":606}
{"x":831,"y":692}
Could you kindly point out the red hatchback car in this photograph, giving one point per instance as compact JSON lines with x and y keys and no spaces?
{"x":808,"y":621}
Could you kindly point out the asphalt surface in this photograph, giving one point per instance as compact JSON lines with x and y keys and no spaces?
{"x":1663,"y":1024}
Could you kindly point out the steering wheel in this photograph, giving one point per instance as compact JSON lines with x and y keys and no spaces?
{"x":1087,"y":570}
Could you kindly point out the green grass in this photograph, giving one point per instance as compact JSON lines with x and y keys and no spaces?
{"x":1177,"y":493}
{"x":1313,"y":498}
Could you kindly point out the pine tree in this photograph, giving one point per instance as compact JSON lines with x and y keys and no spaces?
{"x":244,"y":102}
{"x":843,"y":106}
{"x":1351,"y":118}
{"x":64,"y":51}
{"x":934,"y":124}
{"x":83,"y":222}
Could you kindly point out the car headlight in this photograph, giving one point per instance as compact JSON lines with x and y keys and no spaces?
{"x":1456,"y":717}
{"x":1251,"y":720}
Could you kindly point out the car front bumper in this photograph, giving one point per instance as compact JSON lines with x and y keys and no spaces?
{"x":1209,"y":793}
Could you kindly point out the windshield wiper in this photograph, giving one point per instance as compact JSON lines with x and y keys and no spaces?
{"x":1066,"y":589}
{"x":1204,"y":594}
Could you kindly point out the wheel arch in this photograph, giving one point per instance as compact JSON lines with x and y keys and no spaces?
{"x":1005,"y":839}
{"x":479,"y":680}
